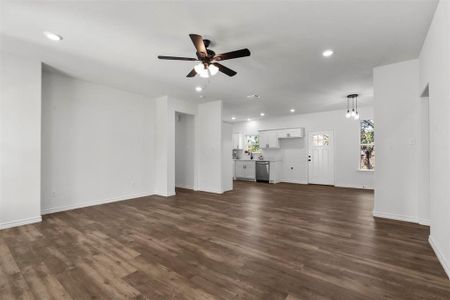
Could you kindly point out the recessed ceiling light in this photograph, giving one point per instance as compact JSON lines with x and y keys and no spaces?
{"x":254,"y":96}
{"x":327,"y":53}
{"x":52,"y":36}
{"x":198,"y":88}
{"x":249,"y":119}
{"x":292,"y":110}
{"x":233,"y":118}
{"x":262,"y":114}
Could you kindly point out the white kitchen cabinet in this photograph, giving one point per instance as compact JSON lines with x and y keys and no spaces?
{"x":291,"y":133}
{"x":268,"y":139}
{"x":244,"y":169}
{"x":275,"y":172}
{"x":238,"y":141}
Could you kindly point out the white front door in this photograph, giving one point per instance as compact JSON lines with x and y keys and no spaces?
{"x":321,"y":157}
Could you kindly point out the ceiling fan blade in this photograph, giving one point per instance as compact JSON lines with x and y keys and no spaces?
{"x":191,"y":73}
{"x":176,"y":58}
{"x":225,"y":70}
{"x":232,"y":54}
{"x":199,"y":45}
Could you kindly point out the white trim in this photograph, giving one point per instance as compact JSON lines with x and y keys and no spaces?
{"x":352,"y":186}
{"x":20,"y":222}
{"x":366,"y":170}
{"x":426,"y":222}
{"x":439,"y":255}
{"x":392,"y":216}
{"x":210,"y":191}
{"x":91,"y":203}
{"x":184,"y":186}
{"x":294,"y":181}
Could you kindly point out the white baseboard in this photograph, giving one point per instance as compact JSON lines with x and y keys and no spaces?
{"x":354,"y":186}
{"x":184,"y":186}
{"x":294,"y":181}
{"x":426,"y":222}
{"x":440,"y":255}
{"x":392,"y":216}
{"x":51,"y":210}
{"x":20,"y":222}
{"x":210,"y":191}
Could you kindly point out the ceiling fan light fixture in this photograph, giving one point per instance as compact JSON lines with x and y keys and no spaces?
{"x":213,"y":69}
{"x":201,"y":70}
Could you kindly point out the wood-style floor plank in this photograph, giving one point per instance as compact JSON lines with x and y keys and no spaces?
{"x":259,"y":241}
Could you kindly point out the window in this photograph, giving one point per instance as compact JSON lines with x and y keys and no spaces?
{"x":367,"y":145}
{"x":321,"y":140}
{"x":252,"y":142}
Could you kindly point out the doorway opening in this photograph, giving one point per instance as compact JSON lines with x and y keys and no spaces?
{"x":184,"y":150}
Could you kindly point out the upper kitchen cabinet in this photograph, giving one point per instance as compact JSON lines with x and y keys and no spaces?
{"x":291,"y":133}
{"x":238,"y":141}
{"x":268,"y":139}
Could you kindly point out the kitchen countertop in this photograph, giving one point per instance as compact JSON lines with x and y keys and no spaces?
{"x":248,"y":159}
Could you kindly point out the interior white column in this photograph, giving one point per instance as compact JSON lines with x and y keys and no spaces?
{"x":20,"y":140}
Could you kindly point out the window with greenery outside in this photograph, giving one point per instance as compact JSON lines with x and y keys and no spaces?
{"x":253,"y":144}
{"x":367,"y":145}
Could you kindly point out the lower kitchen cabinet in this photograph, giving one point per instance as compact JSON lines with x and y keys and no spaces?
{"x":244,"y":169}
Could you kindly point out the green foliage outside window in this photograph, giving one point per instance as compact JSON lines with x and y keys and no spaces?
{"x":252,"y":142}
{"x":367,"y":145}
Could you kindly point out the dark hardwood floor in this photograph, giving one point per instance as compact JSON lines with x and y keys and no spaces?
{"x":260,"y":241}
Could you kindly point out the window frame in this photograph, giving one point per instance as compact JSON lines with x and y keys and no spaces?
{"x":247,"y":144}
{"x":365,"y":144}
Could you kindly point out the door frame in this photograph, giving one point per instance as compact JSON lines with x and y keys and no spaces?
{"x":307,"y":154}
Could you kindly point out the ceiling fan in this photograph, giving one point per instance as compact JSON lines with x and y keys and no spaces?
{"x":208,"y":59}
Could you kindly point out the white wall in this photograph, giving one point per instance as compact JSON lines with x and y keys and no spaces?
{"x":435,"y":72}
{"x":97,"y":144}
{"x":209,"y":145}
{"x":227,"y":161}
{"x":397,"y":104}
{"x":20,"y":140}
{"x":294,"y":152}
{"x":184,"y":150}
{"x":423,"y":161}
{"x":405,"y":191}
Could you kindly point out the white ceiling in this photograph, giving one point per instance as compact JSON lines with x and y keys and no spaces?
{"x":117,"y":42}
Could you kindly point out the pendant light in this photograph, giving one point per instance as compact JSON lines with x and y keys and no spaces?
{"x":356,"y":116}
{"x":347,"y":114}
{"x":353,"y":99}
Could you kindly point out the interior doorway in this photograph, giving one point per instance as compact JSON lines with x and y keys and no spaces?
{"x":184,"y":150}
{"x":321,"y":157}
